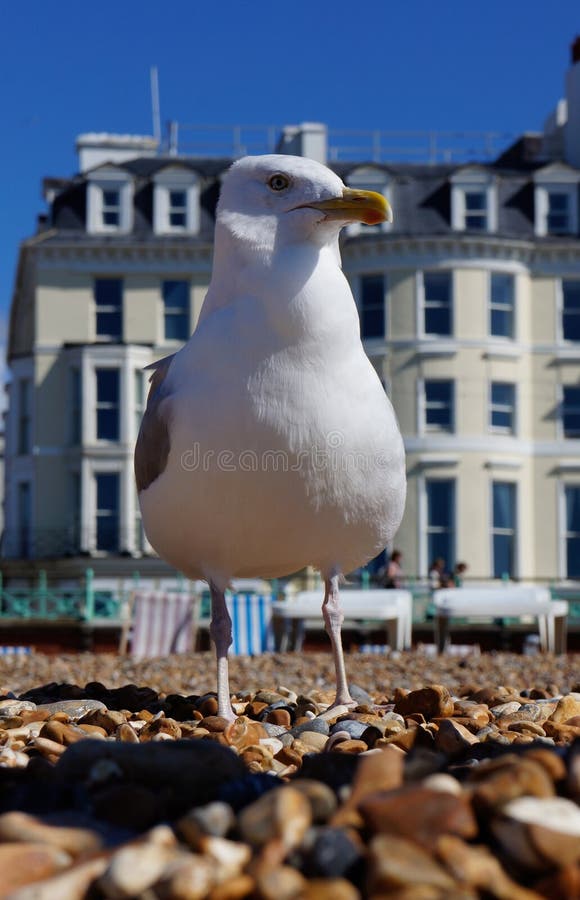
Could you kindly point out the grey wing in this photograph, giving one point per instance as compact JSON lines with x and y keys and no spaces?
{"x":152,"y":448}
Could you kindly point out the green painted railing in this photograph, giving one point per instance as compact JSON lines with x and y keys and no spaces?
{"x":39,"y":601}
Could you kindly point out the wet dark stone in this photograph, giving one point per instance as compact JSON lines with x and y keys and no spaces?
{"x":243,"y":791}
{"x":331,"y":855}
{"x":186,"y":773}
{"x":333,"y":769}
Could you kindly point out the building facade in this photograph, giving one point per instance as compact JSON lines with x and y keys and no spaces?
{"x":470,"y":312}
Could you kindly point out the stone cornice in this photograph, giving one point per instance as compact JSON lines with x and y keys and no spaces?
{"x":144,"y":252}
{"x":461,"y":247}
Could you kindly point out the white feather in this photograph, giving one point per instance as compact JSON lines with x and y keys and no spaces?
{"x":275,"y":379}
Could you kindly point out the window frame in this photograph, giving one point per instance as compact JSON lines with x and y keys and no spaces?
{"x":426,"y":530}
{"x":99,"y":181}
{"x":172,"y":179}
{"x":502,"y":531}
{"x":108,"y":405}
{"x":476,"y":181}
{"x":382,"y":306}
{"x":430,"y":428}
{"x":555,"y":179}
{"x":24,"y":424}
{"x":565,"y":534}
{"x":176,"y":311}
{"x":108,"y":309}
{"x":502,"y":307}
{"x":562,"y":311}
{"x":426,"y":304}
{"x":575,"y":410}
{"x":102,"y":513}
{"x":512,"y":430}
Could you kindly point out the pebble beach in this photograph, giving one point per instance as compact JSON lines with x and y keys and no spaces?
{"x":452,"y":778}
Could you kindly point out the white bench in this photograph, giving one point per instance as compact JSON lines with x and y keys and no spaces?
{"x":392,"y":608}
{"x":510,"y":602}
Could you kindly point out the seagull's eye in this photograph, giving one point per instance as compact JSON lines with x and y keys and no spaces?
{"x":278,"y":182}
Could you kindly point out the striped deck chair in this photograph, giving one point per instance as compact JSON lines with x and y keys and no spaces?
{"x":159,"y":624}
{"x":251,"y":616}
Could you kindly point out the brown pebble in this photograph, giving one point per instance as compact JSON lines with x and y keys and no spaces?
{"x":234,"y":889}
{"x":498,"y":781}
{"x":23,"y":863}
{"x":215,"y":723}
{"x":243,"y":733}
{"x":419,"y":814}
{"x":279,"y":717}
{"x":379,"y":771}
{"x":19,"y":826}
{"x":209,"y":707}
{"x":350,"y":746}
{"x":158,"y":726}
{"x":282,"y":813}
{"x":330,"y":889}
{"x":282,"y":883}
{"x":396,"y":862}
{"x":431,"y":701}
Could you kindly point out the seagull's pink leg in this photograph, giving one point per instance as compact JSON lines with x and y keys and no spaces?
{"x":220,"y":630}
{"x":333,"y":619}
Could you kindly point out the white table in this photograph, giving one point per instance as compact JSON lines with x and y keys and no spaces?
{"x":511,"y":602}
{"x":391,"y":608}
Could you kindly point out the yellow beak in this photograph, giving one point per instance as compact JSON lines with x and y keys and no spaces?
{"x":356,"y":206}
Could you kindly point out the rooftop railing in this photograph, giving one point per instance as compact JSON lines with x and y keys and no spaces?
{"x":344,"y":145}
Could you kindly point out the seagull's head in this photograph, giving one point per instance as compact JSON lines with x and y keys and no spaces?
{"x":273,"y":199}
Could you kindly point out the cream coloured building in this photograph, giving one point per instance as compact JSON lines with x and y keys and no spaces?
{"x":470,"y":312}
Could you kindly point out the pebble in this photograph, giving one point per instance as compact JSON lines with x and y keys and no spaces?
{"x":463,"y":780}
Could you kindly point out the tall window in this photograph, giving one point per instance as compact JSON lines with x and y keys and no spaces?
{"x":107,"y":511}
{"x":558,"y":218}
{"x":76,"y":407}
{"x":437,"y":304}
{"x":438,"y":405}
{"x":571,"y":310}
{"x":502,"y":305}
{"x":372,"y":306}
{"x":504,"y":528}
{"x":107,"y":404}
{"x":176,"y":310}
{"x":572,"y":537}
{"x":24,"y":518}
{"x":476,"y":210}
{"x":75,"y":511}
{"x":502,"y":407}
{"x":441,"y":520}
{"x":571,"y":411}
{"x":109,"y":308}
{"x":111,"y":208}
{"x":177,"y":209}
{"x":24,"y":417}
{"x":139,"y":398}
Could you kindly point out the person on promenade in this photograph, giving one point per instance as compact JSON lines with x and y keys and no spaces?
{"x":459,"y":573}
{"x":392,"y":575}
{"x":437,"y":574}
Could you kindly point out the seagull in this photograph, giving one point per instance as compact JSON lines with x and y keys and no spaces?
{"x":268,"y":443}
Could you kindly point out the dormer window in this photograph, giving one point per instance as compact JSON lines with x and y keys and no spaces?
{"x":109,"y":201}
{"x":177,"y":209}
{"x":473,"y":200}
{"x":111,"y":208}
{"x":556,"y":200}
{"x":176,"y":201}
{"x":558,"y":215}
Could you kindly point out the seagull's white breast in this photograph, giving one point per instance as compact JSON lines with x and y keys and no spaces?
{"x":285,"y":450}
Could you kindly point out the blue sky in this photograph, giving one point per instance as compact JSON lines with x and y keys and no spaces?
{"x":66,"y":68}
